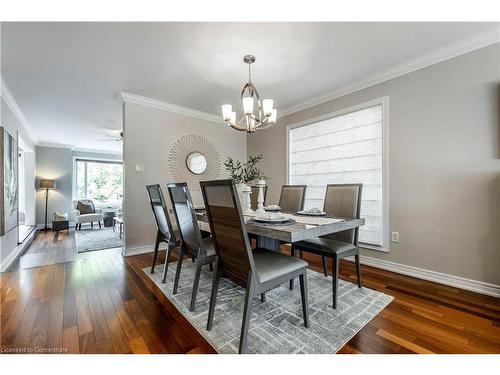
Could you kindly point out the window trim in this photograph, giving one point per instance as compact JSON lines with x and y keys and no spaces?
{"x":384,"y":101}
{"x":90,"y":159}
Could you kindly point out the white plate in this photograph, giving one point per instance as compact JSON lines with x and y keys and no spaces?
{"x":272,"y":208}
{"x":309,"y":213}
{"x":277,"y":219}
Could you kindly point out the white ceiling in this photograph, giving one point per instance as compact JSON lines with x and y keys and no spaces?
{"x":66,"y":76}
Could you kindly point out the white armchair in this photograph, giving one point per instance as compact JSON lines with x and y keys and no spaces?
{"x":96,"y":216}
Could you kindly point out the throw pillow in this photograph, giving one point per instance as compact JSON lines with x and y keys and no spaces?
{"x":85,"y":207}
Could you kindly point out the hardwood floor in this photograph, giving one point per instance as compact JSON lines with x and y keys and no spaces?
{"x":54,"y":247}
{"x":106,"y":304}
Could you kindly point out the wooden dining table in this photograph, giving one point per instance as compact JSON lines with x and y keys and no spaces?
{"x":272,"y":236}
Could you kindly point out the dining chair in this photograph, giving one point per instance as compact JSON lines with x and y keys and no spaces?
{"x":193,"y":244}
{"x":341,"y":200}
{"x":259,"y":270}
{"x":254,"y":204}
{"x":165,"y":232}
{"x":292,"y":198}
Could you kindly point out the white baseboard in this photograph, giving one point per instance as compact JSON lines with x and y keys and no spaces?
{"x":139,"y":250}
{"x":441,"y":278}
{"x":19,"y":249}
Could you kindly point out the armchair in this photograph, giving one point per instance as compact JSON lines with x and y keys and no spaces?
{"x":92,"y":215}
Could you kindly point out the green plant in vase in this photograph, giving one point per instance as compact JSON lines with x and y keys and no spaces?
{"x":244,"y":173}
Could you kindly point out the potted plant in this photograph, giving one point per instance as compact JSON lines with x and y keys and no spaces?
{"x":244,"y":173}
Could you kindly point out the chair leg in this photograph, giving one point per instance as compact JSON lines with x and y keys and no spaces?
{"x":358,"y":270}
{"x":300,"y":254}
{"x":196,"y":283}
{"x":167,"y":259}
{"x":303,"y":295}
{"x":292,"y":253}
{"x":76,"y":226}
{"x":263,"y":297}
{"x":99,"y":224}
{"x":211,"y":267}
{"x":178,"y":270}
{"x":325,"y":270}
{"x":247,"y":312}
{"x":92,"y":224}
{"x":335,"y":279}
{"x":213,"y":297}
{"x":155,"y":255}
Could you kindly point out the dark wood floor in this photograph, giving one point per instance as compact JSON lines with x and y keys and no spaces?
{"x":106,"y":304}
{"x":54,"y":247}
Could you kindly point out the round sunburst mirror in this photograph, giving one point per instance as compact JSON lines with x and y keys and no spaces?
{"x":192,"y":159}
{"x":196,"y":162}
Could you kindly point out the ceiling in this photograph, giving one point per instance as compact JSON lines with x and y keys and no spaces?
{"x":66,"y":76}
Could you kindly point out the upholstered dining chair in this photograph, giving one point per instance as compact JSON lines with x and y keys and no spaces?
{"x":259,"y":270}
{"x":193,"y":244}
{"x":165,"y":232}
{"x":292,"y":198}
{"x":254,"y":204}
{"x":341,"y":200}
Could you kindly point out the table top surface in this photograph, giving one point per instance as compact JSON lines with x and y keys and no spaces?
{"x":297,"y":231}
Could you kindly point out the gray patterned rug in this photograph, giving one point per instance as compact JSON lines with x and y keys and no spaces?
{"x":276,"y":326}
{"x":97,"y":239}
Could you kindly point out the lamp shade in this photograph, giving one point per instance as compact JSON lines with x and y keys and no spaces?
{"x":47,"y":184}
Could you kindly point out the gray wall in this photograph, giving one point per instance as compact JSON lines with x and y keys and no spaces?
{"x":8,"y":242}
{"x":444,"y":163}
{"x":54,"y":163}
{"x":149,"y":135}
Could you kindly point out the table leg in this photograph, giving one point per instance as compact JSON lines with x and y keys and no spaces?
{"x":269,"y":244}
{"x":121,"y":230}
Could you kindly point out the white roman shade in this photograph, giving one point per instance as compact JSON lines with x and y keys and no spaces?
{"x":343,"y":149}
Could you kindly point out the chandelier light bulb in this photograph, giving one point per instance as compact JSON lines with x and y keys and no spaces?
{"x":226,"y":111}
{"x":248,"y":105}
{"x":267,"y":106}
{"x":272,"y":118}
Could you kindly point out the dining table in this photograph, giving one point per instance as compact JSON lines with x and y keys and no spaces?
{"x":301,"y":227}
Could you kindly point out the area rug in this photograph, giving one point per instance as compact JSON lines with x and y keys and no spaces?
{"x":97,"y":239}
{"x":276,"y":326}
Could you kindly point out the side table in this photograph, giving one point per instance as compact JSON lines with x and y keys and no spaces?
{"x":108,"y":217}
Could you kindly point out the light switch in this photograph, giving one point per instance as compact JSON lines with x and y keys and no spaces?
{"x":139,"y":168}
{"x":395,"y":236}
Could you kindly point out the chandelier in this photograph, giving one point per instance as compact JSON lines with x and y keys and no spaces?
{"x":257,"y":114}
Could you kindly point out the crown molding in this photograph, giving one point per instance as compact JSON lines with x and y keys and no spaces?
{"x":462,"y":47}
{"x":16,"y":110}
{"x":126,"y":97}
{"x":96,"y":151}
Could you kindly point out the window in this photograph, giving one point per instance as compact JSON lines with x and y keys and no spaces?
{"x":99,"y":180}
{"x":345,"y":147}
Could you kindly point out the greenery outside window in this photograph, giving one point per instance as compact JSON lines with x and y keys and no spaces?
{"x":99,"y":180}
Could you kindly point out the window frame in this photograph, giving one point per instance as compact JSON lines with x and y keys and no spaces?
{"x":89,"y":159}
{"x":384,"y":102}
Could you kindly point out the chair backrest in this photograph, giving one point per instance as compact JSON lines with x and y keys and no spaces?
{"x":160,"y":211}
{"x":186,"y":217}
{"x":292,"y":198}
{"x":344,"y":200}
{"x":255,"y":195}
{"x":228,"y":227}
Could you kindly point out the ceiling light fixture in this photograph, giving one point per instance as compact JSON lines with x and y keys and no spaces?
{"x":257,"y":114}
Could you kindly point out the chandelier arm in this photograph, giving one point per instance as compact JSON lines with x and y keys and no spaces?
{"x":236,"y":127}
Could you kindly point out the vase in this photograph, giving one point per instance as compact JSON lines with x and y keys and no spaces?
{"x":240,"y":189}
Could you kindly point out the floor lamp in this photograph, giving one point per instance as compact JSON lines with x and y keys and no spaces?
{"x":47,"y":185}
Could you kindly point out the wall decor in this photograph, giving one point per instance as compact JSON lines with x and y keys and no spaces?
{"x":8,"y":182}
{"x":192,"y":159}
